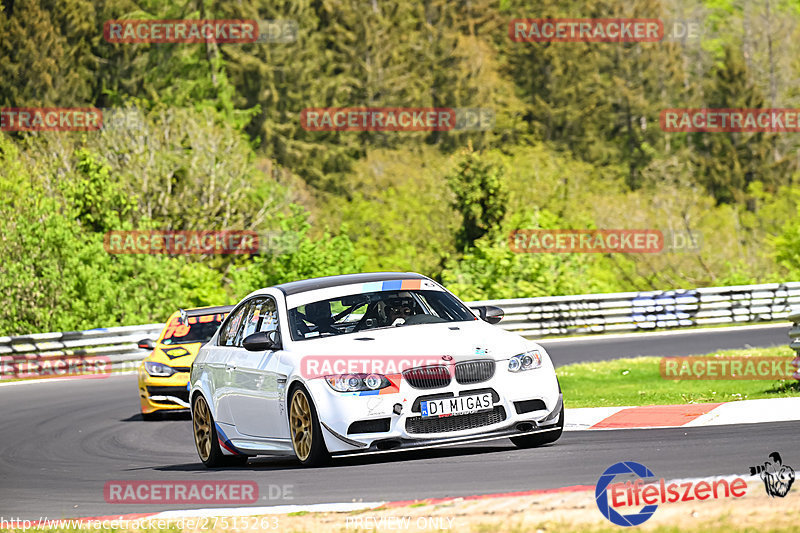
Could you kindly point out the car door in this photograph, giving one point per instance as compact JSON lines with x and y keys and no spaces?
{"x":254,"y":398}
{"x":219,"y":369}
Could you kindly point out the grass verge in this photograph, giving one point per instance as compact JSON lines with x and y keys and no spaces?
{"x":638,"y":381}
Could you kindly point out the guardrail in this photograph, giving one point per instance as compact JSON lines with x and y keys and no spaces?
{"x":794,"y":334}
{"x":531,"y":317}
{"x":632,"y":311}
{"x":118,"y":345}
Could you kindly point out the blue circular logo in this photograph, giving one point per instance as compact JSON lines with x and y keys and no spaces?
{"x":600,"y":495}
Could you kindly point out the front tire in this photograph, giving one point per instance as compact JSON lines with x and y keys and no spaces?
{"x":540,"y":439}
{"x":206,"y":440}
{"x":307,"y":440}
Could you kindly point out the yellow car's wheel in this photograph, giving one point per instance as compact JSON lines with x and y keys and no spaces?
{"x":206,"y":440}
{"x":307,"y":440}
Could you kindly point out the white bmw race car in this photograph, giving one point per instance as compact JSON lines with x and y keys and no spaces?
{"x":366,"y":363}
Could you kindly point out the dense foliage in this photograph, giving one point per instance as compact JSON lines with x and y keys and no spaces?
{"x":213,"y":140}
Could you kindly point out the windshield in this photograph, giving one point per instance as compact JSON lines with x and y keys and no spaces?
{"x":373,"y":310}
{"x":196,"y":329}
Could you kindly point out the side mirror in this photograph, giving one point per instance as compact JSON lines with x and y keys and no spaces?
{"x":490,"y":313}
{"x":261,"y":341}
{"x":146,"y":344}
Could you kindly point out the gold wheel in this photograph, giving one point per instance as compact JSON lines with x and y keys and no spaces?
{"x":202,"y":428}
{"x":300,"y":424}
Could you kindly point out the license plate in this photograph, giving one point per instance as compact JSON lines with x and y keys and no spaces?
{"x":459,"y":405}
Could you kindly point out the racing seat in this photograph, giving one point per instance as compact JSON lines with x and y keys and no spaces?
{"x":319,"y":314}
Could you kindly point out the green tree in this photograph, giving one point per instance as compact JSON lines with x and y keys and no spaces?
{"x":491,"y":269}
{"x":729,"y":162}
{"x":601,"y":101}
{"x":45,"y":55}
{"x":98,"y":201}
{"x":185,"y":169}
{"x":786,"y":241}
{"x":481,"y":196}
{"x":295,"y":255}
{"x":56,"y":274}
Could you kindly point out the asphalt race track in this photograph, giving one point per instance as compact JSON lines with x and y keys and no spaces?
{"x":664,"y":344}
{"x":63,"y":440}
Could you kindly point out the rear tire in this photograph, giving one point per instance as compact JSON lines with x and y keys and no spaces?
{"x":304,"y":428}
{"x":206,"y":439}
{"x":540,"y":439}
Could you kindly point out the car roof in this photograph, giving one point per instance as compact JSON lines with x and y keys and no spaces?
{"x":211,"y":310}
{"x":295,"y":287}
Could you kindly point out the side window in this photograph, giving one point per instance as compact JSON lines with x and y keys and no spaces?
{"x":269,"y":316}
{"x":251,"y":320}
{"x":431,"y":309}
{"x":261,"y":315}
{"x":227,"y":336}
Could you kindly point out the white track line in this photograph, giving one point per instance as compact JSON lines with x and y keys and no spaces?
{"x":750,"y":412}
{"x":728,"y":413}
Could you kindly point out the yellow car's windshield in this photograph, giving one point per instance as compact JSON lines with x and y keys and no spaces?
{"x":195,"y":329}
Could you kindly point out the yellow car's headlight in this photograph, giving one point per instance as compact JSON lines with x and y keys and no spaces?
{"x":158,"y":370}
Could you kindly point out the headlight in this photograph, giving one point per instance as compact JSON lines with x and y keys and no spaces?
{"x":159,"y":370}
{"x":525,"y":361}
{"x":357,"y":382}
{"x":373,"y":381}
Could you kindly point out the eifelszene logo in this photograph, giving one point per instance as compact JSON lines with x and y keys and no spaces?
{"x":636,"y":493}
{"x":601,"y":494}
{"x":777,"y":477}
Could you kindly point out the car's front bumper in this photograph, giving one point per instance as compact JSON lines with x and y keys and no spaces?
{"x":163,"y":393}
{"x":517,"y":430}
{"x":523,"y":403}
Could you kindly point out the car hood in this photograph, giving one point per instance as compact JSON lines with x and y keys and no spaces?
{"x":175,"y":355}
{"x":460,"y":340}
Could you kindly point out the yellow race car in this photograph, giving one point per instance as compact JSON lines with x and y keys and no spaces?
{"x":164,"y":374}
